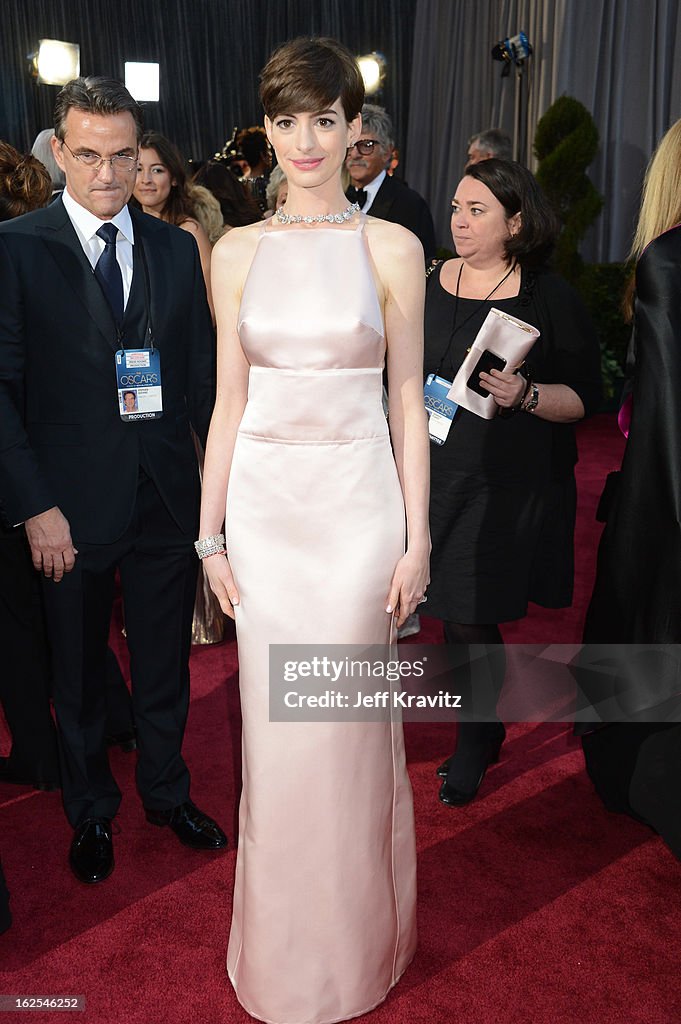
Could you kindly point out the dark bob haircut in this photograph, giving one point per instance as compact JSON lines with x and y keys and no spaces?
{"x":518,"y":192}
{"x":95,"y":95}
{"x":308,"y":75}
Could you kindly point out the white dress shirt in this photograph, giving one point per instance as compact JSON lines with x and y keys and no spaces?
{"x":371,"y":189}
{"x":86,"y":226}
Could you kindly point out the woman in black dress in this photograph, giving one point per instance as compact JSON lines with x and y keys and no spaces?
{"x":503,"y":494}
{"x":635,"y":762}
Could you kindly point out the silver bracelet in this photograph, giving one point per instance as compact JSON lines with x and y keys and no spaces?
{"x":214,"y":545}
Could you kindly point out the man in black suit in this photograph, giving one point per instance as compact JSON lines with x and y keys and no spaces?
{"x":375,"y":190}
{"x":93,"y":296}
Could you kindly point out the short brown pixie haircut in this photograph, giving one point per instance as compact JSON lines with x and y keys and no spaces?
{"x":309,"y":74}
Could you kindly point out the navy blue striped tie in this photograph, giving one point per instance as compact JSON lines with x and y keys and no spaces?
{"x":107,"y":271}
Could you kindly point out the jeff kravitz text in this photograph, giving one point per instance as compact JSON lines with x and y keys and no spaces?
{"x":383,"y":699}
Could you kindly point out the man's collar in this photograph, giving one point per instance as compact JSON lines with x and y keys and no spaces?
{"x":372,"y":188}
{"x":89,"y":224}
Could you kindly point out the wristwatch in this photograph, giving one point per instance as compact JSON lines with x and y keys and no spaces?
{"x":533,"y":401}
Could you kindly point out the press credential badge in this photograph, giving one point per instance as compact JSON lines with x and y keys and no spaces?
{"x":138,"y":375}
{"x":441,"y":409}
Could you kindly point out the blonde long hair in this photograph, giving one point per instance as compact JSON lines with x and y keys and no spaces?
{"x":660,"y":203}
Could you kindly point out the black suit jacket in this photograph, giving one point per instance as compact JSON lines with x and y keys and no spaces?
{"x":62,"y":441}
{"x":400,"y":204}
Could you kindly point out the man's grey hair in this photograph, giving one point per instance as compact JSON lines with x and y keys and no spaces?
{"x":95,"y":95}
{"x":493,"y":141}
{"x":377,"y":121}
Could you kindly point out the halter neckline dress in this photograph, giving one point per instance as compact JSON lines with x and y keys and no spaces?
{"x":324,"y":903}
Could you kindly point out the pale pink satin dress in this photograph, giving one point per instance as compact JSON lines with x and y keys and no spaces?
{"x":325,"y":891}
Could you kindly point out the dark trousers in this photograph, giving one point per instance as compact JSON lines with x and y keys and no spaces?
{"x":24,"y":677}
{"x":118,"y":703}
{"x":158,"y":569}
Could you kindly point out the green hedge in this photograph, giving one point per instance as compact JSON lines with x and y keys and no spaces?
{"x":602,"y":285}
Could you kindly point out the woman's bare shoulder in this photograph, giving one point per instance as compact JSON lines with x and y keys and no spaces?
{"x":391,"y":239}
{"x":238,"y":244}
{"x":191,"y":225}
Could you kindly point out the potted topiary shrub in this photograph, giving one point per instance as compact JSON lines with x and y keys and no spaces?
{"x":565,"y":143}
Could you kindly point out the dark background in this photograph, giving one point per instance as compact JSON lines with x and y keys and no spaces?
{"x":620,"y":58}
{"x":210,"y":53}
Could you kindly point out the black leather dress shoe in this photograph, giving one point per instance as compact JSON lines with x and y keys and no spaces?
{"x":127,"y":740}
{"x":191,"y":826}
{"x":91,"y":856}
{"x":477,"y":749}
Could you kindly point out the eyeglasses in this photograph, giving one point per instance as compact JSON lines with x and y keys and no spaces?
{"x":366,"y":146}
{"x":94,"y":161}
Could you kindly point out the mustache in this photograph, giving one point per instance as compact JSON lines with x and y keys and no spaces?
{"x":357,"y":162}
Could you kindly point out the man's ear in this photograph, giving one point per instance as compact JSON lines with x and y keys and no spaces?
{"x":57,"y":152}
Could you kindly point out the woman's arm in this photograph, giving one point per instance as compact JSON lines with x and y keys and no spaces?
{"x":205,"y":253}
{"x":232,"y":257}
{"x":557,"y":403}
{"x":398,"y":258}
{"x":569,"y":382}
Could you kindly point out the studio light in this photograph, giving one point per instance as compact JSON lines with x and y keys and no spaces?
{"x":142,"y":80}
{"x":514,"y":50}
{"x":55,"y":62}
{"x":372,"y":67}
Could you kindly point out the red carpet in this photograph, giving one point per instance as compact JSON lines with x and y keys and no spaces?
{"x":536,"y":905}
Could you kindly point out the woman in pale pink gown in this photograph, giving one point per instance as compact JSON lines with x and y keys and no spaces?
{"x":317,"y":505}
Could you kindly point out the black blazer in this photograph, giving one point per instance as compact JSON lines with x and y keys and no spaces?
{"x":62,"y":441}
{"x":400,"y":204}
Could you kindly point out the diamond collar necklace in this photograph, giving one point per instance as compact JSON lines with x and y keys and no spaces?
{"x":320,"y":218}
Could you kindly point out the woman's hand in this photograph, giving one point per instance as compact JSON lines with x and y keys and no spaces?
{"x":507,"y":389}
{"x":408,"y":587}
{"x":216,"y":568}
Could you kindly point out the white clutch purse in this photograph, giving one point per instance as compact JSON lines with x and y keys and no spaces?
{"x":502,"y":342}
